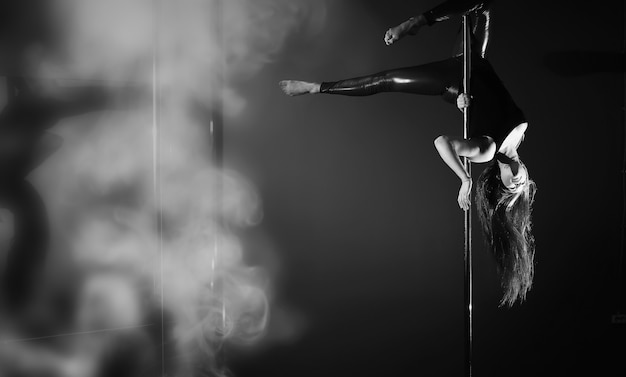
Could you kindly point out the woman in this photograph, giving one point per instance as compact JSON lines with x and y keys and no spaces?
{"x":505,"y":192}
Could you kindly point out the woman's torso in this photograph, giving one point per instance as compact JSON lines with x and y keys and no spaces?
{"x":493,"y":112}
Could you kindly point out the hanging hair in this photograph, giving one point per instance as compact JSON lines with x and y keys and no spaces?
{"x":505,"y":216}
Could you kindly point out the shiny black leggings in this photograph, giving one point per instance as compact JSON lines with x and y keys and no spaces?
{"x":437,"y":78}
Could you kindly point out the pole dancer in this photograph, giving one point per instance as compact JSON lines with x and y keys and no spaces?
{"x":504,"y":192}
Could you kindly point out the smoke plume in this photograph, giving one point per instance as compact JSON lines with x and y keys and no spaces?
{"x":136,"y":189}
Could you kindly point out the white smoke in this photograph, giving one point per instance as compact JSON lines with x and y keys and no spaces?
{"x":115,"y":40}
{"x":172,"y":229}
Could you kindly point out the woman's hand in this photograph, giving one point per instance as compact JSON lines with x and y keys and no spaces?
{"x":394,"y":34}
{"x":411,"y":26}
{"x":462,"y":101}
{"x":465,"y":194}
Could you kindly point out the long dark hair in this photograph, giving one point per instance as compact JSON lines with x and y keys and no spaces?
{"x":505,"y":217}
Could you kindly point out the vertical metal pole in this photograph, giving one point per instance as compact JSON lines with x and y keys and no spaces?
{"x":156,"y":166}
{"x":620,"y":316}
{"x":468,"y":214}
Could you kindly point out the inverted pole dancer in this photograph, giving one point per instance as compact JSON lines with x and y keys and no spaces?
{"x":504,"y":192}
{"x":467,"y":256}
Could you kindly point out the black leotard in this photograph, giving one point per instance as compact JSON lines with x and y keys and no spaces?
{"x":493,"y":112}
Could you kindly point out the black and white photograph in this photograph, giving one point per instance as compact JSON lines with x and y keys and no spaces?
{"x":312,"y":188}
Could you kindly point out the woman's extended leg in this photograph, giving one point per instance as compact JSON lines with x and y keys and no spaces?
{"x":429,"y":79}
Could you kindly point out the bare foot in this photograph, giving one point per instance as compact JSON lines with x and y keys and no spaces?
{"x":297,"y":88}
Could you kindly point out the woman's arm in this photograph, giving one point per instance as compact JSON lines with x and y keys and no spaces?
{"x":452,"y":8}
{"x":451,"y":150}
{"x":408,"y":27}
{"x":441,"y":12}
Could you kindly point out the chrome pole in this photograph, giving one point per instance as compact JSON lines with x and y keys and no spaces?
{"x":467,"y":256}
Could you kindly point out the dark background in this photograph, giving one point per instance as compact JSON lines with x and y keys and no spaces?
{"x":364,"y":214}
